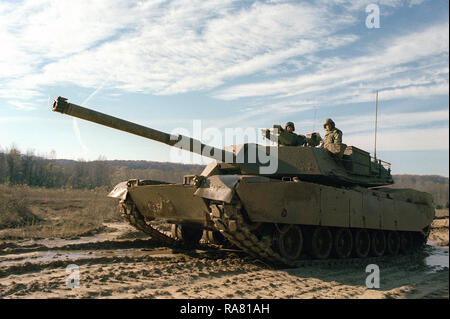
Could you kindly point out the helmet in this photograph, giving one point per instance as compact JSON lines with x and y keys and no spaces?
{"x":291,"y":124}
{"x":328,"y":121}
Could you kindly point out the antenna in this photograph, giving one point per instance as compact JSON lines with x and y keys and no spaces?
{"x":314,"y":122}
{"x":376,"y":120}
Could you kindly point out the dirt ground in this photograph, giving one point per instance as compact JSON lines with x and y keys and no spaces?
{"x":439,"y":230}
{"x":116,"y":261}
{"x":122,"y":264}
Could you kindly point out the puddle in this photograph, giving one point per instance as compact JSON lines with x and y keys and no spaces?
{"x":42,"y":257}
{"x":54,"y":255}
{"x":119,"y":230}
{"x":436,"y":257}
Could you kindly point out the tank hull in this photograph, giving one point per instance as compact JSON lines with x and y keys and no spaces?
{"x":173,"y":202}
{"x":312,"y":204}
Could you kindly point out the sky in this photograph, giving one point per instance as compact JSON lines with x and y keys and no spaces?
{"x":229,"y":64}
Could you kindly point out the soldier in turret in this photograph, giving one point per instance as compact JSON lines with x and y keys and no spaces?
{"x":332,"y":140}
{"x":290,"y":127}
{"x":294,"y":139}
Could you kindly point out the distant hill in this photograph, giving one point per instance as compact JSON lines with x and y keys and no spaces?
{"x":420,"y":179}
{"x":436,"y":185}
{"x":162,"y":166}
{"x":122,"y":170}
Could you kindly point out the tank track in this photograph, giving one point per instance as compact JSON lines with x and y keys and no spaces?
{"x":230,"y":222}
{"x":134,"y":217}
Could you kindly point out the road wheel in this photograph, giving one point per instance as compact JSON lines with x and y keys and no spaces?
{"x":343,"y":243}
{"x":361,"y":243}
{"x":189,"y":235}
{"x":321,"y":242}
{"x":392,"y":243}
{"x":288,"y":241}
{"x":378,"y":243}
{"x":406,"y":243}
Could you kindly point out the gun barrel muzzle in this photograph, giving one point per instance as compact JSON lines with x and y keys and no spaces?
{"x":60,"y":105}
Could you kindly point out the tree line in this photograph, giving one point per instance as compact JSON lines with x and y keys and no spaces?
{"x":433,"y":184}
{"x":19,"y":169}
{"x":29,"y":169}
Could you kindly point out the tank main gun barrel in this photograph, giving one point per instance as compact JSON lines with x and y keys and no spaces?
{"x":61,"y":105}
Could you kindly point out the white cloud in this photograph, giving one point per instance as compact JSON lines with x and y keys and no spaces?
{"x":386,"y":62}
{"x":15,"y":119}
{"x":404,"y":140}
{"x":358,"y":5}
{"x":418,"y":91}
{"x":391,"y":121}
{"x":416,"y":2}
{"x":179,"y":46}
{"x":156,"y":47}
{"x":21,"y":105}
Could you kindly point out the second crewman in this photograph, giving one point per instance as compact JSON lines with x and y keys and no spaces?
{"x":332,"y":140}
{"x":292,"y":139}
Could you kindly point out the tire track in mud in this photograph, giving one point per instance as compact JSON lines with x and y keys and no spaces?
{"x":266,"y":283}
{"x":125,"y":275}
{"x":181,"y":276}
{"x":160,"y":272}
{"x":11,"y":248}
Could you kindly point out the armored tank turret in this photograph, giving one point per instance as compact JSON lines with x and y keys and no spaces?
{"x":279,"y":203}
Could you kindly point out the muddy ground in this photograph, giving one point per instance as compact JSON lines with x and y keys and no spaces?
{"x":121,"y":263}
{"x":78,"y":233}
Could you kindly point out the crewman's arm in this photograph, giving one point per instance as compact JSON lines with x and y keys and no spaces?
{"x":338,"y":137}
{"x":301,"y":140}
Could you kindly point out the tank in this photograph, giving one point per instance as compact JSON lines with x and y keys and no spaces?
{"x":278,"y":203}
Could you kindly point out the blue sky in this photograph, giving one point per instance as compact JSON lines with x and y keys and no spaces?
{"x":229,"y":64}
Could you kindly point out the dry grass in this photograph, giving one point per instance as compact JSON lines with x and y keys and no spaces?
{"x":15,"y":213}
{"x":59,"y":213}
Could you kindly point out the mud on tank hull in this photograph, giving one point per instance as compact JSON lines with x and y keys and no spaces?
{"x":281,"y":221}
